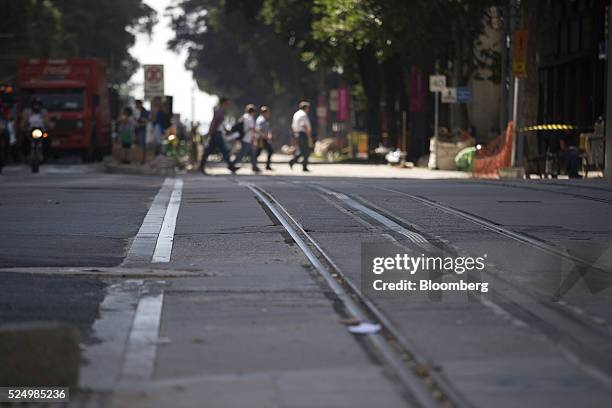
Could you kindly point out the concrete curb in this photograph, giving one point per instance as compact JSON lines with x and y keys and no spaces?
{"x":39,"y":355}
{"x":113,"y":167}
{"x":113,"y":272}
{"x":511,"y":173}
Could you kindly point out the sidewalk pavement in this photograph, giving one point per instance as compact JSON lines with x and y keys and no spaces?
{"x":319,"y":168}
{"x":160,"y":166}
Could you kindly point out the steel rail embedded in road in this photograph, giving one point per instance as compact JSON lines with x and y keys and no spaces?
{"x":521,"y":238}
{"x":539,"y":187}
{"x":502,"y":231}
{"x":542,"y":317}
{"x":361,"y":311}
{"x":392,"y":225}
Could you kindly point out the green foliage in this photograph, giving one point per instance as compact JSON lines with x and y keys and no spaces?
{"x":353,"y":23}
{"x":232,"y":52}
{"x":420,"y":32}
{"x":27,"y":28}
{"x":259,"y":50}
{"x":106,"y":30}
{"x":75,"y":28}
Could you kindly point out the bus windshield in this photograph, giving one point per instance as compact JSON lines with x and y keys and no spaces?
{"x":70,"y":99}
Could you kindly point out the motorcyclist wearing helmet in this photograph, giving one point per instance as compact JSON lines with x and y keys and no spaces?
{"x":35,"y":116}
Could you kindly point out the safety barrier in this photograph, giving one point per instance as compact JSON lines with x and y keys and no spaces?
{"x":497,"y":154}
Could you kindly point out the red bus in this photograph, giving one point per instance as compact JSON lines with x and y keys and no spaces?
{"x":75,"y":94}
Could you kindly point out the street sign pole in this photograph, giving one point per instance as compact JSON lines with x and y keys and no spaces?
{"x":519,"y":70}
{"x":515,"y":145}
{"x":404,"y":147}
{"x":192,"y":104}
{"x":437,"y":114}
{"x":436,"y":124}
{"x":608,"y":123}
{"x":437,"y":84}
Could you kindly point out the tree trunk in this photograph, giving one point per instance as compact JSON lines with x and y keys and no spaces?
{"x":530,"y":92}
{"x":391,"y":93}
{"x":369,"y":70}
{"x":403,"y":77}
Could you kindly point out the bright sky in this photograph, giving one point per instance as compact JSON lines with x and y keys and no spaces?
{"x":178,"y":81}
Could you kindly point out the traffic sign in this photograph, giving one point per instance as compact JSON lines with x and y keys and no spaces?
{"x":437,"y":83}
{"x":449,"y":95}
{"x":463,"y":94}
{"x":153,"y":81}
{"x":519,"y":53}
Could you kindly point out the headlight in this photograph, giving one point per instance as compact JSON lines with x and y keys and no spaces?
{"x":37,"y":133}
{"x":171,"y":137}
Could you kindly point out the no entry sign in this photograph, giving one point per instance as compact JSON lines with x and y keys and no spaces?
{"x":153,"y":81}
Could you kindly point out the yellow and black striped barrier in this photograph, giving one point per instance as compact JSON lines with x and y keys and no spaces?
{"x":547,"y":127}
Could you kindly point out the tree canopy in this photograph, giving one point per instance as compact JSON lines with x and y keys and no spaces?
{"x":282,"y":50}
{"x":233,"y":53}
{"x":74,"y":28}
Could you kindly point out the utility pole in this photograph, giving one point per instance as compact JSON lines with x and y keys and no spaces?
{"x":322,"y":112}
{"x":437,"y":108}
{"x":404,"y":147}
{"x":452,"y":122}
{"x":608,"y":158}
{"x":193,"y":104}
{"x":437,"y":84}
{"x":517,"y":146}
{"x":505,"y":58}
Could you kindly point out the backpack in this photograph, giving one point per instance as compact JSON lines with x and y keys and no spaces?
{"x":238,"y":127}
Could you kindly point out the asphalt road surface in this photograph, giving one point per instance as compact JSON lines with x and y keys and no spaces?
{"x":247,"y":291}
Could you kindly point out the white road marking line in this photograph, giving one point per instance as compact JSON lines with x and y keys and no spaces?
{"x":127,"y":330}
{"x":153,"y":242}
{"x":141,"y":348}
{"x":163,"y":248}
{"x":104,"y":359}
{"x":144,"y":242}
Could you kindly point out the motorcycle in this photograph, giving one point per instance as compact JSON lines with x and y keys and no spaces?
{"x":3,"y":151}
{"x":4,"y":144}
{"x":37,"y":138}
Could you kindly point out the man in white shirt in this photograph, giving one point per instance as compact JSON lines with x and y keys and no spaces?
{"x":250,"y":138}
{"x":303,"y":133}
{"x":262,"y":125}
